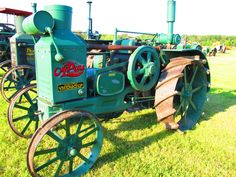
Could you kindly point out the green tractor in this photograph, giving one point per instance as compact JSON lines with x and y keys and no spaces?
{"x":61,"y":114}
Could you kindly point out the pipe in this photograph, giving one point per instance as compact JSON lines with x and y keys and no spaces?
{"x":171,"y":6}
{"x":34,"y":7}
{"x":116,"y":47}
{"x":90,"y":25}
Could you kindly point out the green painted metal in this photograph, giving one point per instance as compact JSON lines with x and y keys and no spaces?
{"x":34,"y":24}
{"x":171,"y":6}
{"x":62,"y":16}
{"x":110,"y":83}
{"x":22,"y":45}
{"x":144,"y":68}
{"x":59,"y":78}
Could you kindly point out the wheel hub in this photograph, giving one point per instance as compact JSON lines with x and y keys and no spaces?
{"x":69,"y":147}
{"x":150,"y":69}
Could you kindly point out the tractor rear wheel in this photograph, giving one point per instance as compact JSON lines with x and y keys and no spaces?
{"x":181,"y":93}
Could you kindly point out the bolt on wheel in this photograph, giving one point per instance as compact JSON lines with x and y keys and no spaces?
{"x":22,"y":112}
{"x":15,"y":79}
{"x":67,"y":144}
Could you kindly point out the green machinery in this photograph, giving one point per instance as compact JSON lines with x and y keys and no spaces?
{"x":22,"y":60}
{"x":6,"y":31}
{"x":69,"y":96}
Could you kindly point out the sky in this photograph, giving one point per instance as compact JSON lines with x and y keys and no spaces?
{"x":200,"y":17}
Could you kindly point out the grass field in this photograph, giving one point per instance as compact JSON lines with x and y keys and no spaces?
{"x":136,"y":145}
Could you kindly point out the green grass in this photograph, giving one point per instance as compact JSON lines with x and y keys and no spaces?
{"x":136,"y":145}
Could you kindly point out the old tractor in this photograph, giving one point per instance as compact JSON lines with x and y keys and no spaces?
{"x":6,"y":31}
{"x":21,"y":72}
{"x":70,"y":98}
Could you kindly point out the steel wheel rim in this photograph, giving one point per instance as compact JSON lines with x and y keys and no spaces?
{"x":8,"y":82}
{"x":24,"y":104}
{"x":192,"y":96}
{"x":69,"y":148}
{"x":144,"y":68}
{"x":5,"y":65}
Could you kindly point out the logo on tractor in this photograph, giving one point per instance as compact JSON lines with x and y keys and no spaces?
{"x":69,"y":69}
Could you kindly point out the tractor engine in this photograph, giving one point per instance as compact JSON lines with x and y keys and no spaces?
{"x":60,"y":56}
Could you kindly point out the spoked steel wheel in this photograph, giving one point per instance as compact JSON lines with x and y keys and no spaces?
{"x":5,"y":66}
{"x":22,"y":112}
{"x":181,"y":93}
{"x":15,"y":79}
{"x":67,"y":144}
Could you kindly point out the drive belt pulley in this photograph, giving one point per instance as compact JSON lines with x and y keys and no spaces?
{"x":143,"y":68}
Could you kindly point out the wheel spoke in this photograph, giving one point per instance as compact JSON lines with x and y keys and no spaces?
{"x":59,"y":168}
{"x":45,"y":151}
{"x":21,"y":107}
{"x":12,"y":95}
{"x":54,"y":136}
{"x":36,"y":124}
{"x":89,"y":133}
{"x":27,"y":96}
{"x":20,"y":118}
{"x":67,"y":128}
{"x":32,"y":90}
{"x":20,"y":99}
{"x":26,"y":126}
{"x":143,"y":80}
{"x":26,"y":74}
{"x":47,"y":164}
{"x":193,"y":105}
{"x":86,"y":129}
{"x":88,"y":144}
{"x":7,"y":88}
{"x":70,"y":165}
{"x":142,"y":60}
{"x":83,"y":158}
{"x":3,"y":69}
{"x":18,"y":75}
{"x":8,"y":85}
{"x":139,"y":71}
{"x":179,"y":108}
{"x":194,"y":74}
{"x":79,"y":126}
{"x":196,"y":89}
{"x":149,"y":56}
{"x":185,"y":77}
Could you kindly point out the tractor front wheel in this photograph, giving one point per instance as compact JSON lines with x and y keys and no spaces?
{"x":67,"y":144}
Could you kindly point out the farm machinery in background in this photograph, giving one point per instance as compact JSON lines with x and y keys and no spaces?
{"x":61,"y":114}
{"x":6,"y":31}
{"x":21,"y":71}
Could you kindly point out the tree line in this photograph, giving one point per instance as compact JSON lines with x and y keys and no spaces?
{"x":203,"y":40}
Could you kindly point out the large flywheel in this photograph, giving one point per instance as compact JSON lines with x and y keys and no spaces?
{"x":143,"y":68}
{"x":181,"y":93}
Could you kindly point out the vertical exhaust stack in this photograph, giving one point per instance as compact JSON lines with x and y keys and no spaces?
{"x":171,"y":16}
{"x":170,"y":37}
{"x":90,"y":25}
{"x":34,"y":7}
